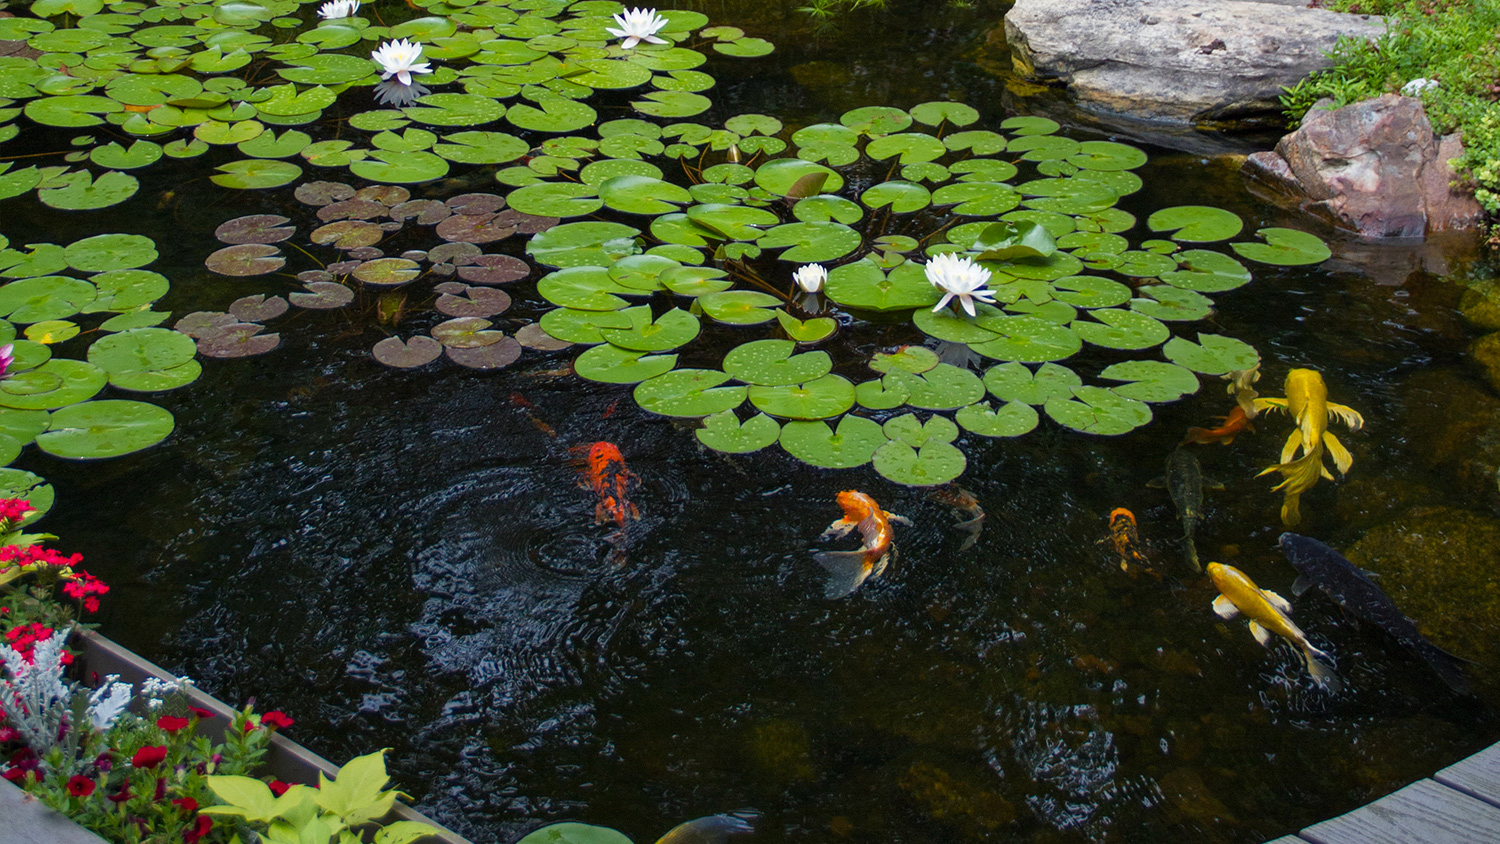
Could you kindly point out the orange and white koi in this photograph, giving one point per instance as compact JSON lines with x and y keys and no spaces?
{"x":848,"y":570}
{"x":1236,"y":422}
{"x":1125,"y":538}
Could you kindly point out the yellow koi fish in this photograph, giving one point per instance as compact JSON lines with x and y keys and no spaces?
{"x":1307,"y":402}
{"x":1268,"y":614}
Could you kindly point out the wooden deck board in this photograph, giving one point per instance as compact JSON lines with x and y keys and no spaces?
{"x":1425,"y":811}
{"x":1477,"y":776}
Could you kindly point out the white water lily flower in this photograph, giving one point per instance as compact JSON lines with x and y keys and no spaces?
{"x":400,"y":58}
{"x":810,"y":277}
{"x":1415,"y":87}
{"x":637,"y":25}
{"x":338,"y":9}
{"x":958,"y":276}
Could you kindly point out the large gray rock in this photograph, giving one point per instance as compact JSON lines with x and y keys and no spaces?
{"x":1177,"y":60}
{"x":1374,"y":167}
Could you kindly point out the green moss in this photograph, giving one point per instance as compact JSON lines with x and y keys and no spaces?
{"x":963,"y":805}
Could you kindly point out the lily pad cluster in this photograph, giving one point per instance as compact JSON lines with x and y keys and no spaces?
{"x":463,"y":281}
{"x":873,"y":196}
{"x":97,"y":292}
{"x":150,"y":80}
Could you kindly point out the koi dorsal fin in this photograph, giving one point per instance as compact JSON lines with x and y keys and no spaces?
{"x":1277,"y":601}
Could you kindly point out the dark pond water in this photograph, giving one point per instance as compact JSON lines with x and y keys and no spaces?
{"x":405,"y":560}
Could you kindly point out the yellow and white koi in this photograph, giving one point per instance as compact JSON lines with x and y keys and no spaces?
{"x":1307,"y":402}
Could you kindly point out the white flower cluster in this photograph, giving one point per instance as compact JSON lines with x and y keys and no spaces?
{"x":156,"y":691}
{"x":1415,"y":87}
{"x":335,"y":9}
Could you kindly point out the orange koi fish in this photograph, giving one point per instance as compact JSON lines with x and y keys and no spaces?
{"x":1236,"y":422}
{"x":848,"y":570}
{"x":963,"y":503}
{"x":606,"y":475}
{"x":1126,"y":541}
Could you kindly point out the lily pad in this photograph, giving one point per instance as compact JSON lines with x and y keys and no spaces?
{"x":1083,"y":291}
{"x":739,"y":307}
{"x":724,"y":432}
{"x":246,"y":259}
{"x":913,"y":359}
{"x":258,"y":308}
{"x":141,"y":350}
{"x":322,"y":295}
{"x":1012,"y":382}
{"x":688,"y":392}
{"x":821,"y":398}
{"x":254,"y":228}
{"x":238,"y":341}
{"x":556,"y":199}
{"x":945,"y":324}
{"x":1151,"y":380}
{"x":811,"y":242}
{"x":110,"y":428}
{"x":1285,"y":248}
{"x":672,"y":329}
{"x":864,"y":285}
{"x":806,"y":331}
{"x":935,"y":463}
{"x":1207,"y":272}
{"x":977,"y":199}
{"x":79,"y":192}
{"x":1095,"y":410}
{"x":466,"y":333}
{"x":1212,"y":354}
{"x":574,"y":833}
{"x":1121,"y":329}
{"x":773,"y":363}
{"x":875,"y":121}
{"x":1027,"y":338}
{"x":852,"y":444}
{"x":158,"y":380}
{"x":1169,"y":303}
{"x":57,"y":383}
{"x":583,"y":244}
{"x":45,"y":298}
{"x":902,"y":197}
{"x":614,"y":365}
{"x":1012,"y":419}
{"x":1196,"y":223}
{"x":944,"y":387}
{"x":915,"y":433}
{"x":642,"y":195}
{"x":491,"y":356}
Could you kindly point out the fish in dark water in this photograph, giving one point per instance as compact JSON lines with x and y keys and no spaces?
{"x":966,"y":507}
{"x":1126,"y":540}
{"x":1184,"y":481}
{"x":1320,"y":566}
{"x":713,"y":829}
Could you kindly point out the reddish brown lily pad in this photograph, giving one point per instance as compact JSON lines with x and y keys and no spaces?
{"x":495,"y":269}
{"x":494,"y":356}
{"x":255,"y":228}
{"x":309,"y":276}
{"x":366,"y":253}
{"x":474,"y":302}
{"x":239,"y":340}
{"x":415,"y":254}
{"x":258,"y":308}
{"x":352,"y":209}
{"x":466,"y":333}
{"x":322,"y":296}
{"x":443,"y":270}
{"x":387,"y":195}
{"x":532,"y":224}
{"x":454,"y":287}
{"x":533,"y":337}
{"x":388,"y":272}
{"x":343,"y":267}
{"x":246,"y":259}
{"x":429,"y":212}
{"x":347,"y":234}
{"x":392,"y":226}
{"x":476,"y":203}
{"x":322,"y":193}
{"x":418,"y":351}
{"x":476,"y":228}
{"x":457,"y":254}
{"x":204,"y":323}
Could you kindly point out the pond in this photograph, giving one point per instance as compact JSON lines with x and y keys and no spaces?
{"x":407,"y":559}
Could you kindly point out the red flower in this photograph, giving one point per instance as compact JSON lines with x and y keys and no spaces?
{"x":14,"y":509}
{"x":91,"y":604}
{"x":201,"y":825}
{"x":161,"y":789}
{"x":9,"y":734}
{"x":80,"y":786}
{"x":17,"y":775}
{"x":120,"y":796}
{"x":171,"y":723}
{"x":149,"y":757}
{"x":275,"y":719}
{"x":187,"y":804}
{"x":278,"y":787}
{"x":200,"y":712}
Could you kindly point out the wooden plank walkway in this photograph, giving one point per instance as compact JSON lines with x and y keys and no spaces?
{"x":1459,"y":805}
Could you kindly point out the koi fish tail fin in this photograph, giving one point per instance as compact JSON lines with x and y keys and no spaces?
{"x":1291,"y":511}
{"x":1342,"y":459}
{"x":847,"y":571}
{"x":635,"y":512}
{"x":1200,"y":436}
{"x":1299,"y":474}
{"x":1190,"y":551}
{"x":1446,"y":665}
{"x":618,"y":554}
{"x":1319,"y":665}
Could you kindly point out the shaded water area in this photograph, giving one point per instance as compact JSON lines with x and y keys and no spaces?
{"x":405,"y":560}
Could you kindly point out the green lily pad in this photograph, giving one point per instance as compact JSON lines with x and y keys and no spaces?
{"x":1196,"y":223}
{"x":158,"y":380}
{"x":875,"y":121}
{"x":1027,"y":338}
{"x":574,"y":833}
{"x":1012,"y":382}
{"x":256,"y":173}
{"x":400,"y":167}
{"x":1140,"y":264}
{"x":1007,"y":241}
{"x":913,"y":359}
{"x":773,"y":363}
{"x":115,"y":157}
{"x":110,"y":428}
{"x":954,"y":327}
{"x":1169,"y":303}
{"x":574,"y":326}
{"x":912,"y":147}
{"x":914,"y":432}
{"x":1012,"y":419}
{"x":806,"y":331}
{"x":1207,"y":272}
{"x":825,"y":208}
{"x":141,"y":350}
{"x":21,"y":426}
{"x":57,"y":383}
{"x":15,"y":483}
{"x":811,"y":242}
{"x":1151,"y":380}
{"x":1095,"y":410}
{"x":583,"y":244}
{"x":46,"y":298}
{"x":935,"y":113}
{"x":614,"y":365}
{"x":688,"y":392}
{"x":739,"y":307}
{"x":864,"y":285}
{"x":745,"y":47}
{"x":1121,"y":329}
{"x":1083,"y":291}
{"x":944,"y":387}
{"x":723,"y":432}
{"x":51,"y":331}
{"x":883,"y":393}
{"x":672,"y":329}
{"x":1212,"y":354}
{"x":1107,"y":156}
{"x":79,"y":192}
{"x":695,"y":281}
{"x":584,"y":289}
{"x":935,"y":463}
{"x":642,"y":195}
{"x":821,"y":398}
{"x":556,"y":199}
{"x":977,"y":199}
{"x":781,"y":175}
{"x":1285,"y":248}
{"x":481,"y":147}
{"x":1068,"y":196}
{"x":852,"y":444}
{"x":902,"y":197}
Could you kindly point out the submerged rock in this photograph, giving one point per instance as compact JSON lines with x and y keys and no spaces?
{"x":1374,"y":167}
{"x":1453,"y":427}
{"x":957,"y":801}
{"x":1435,"y":563}
{"x":1183,"y":61}
{"x":783,"y":750}
{"x":1189,"y":795}
{"x":1480,"y":309}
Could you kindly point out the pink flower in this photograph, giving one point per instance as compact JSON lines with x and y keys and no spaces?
{"x":7,"y":357}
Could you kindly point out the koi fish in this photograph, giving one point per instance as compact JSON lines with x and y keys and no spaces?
{"x":1307,"y":402}
{"x":963,"y":503}
{"x":1184,"y":482}
{"x":1126,"y":540}
{"x":606,"y":475}
{"x":1241,"y":387}
{"x":1320,"y":566}
{"x":713,"y":829}
{"x":1268,"y":613}
{"x":848,"y":570}
{"x":1236,"y":422}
